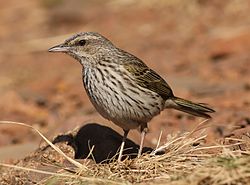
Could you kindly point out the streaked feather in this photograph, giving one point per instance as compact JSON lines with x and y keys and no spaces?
{"x":147,"y":78}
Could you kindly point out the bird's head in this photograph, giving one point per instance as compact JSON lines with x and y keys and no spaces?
{"x":85,"y":47}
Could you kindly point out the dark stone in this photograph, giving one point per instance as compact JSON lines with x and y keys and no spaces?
{"x":106,"y":143}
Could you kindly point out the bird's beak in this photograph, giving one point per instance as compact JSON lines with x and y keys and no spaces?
{"x":59,"y":48}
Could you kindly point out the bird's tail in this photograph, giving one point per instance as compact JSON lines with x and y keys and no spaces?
{"x":196,"y":109}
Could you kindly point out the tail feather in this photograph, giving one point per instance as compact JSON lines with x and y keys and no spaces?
{"x":196,"y":109}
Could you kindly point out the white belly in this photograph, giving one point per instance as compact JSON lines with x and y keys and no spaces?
{"x":117,"y":101}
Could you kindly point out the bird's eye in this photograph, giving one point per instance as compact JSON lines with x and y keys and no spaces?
{"x":82,"y":42}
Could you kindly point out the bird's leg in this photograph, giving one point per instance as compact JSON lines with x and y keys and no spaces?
{"x":144,"y":130}
{"x":123,"y":144}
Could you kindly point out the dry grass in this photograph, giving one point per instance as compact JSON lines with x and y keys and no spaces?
{"x":187,"y":161}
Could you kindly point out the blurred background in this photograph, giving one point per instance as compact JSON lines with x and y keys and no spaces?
{"x":201,"y":47}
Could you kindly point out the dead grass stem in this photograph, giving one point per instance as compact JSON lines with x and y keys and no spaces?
{"x":186,"y":160}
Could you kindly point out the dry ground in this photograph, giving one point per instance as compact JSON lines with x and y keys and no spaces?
{"x":201,"y":47}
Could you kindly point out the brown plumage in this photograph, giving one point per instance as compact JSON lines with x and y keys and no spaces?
{"x":122,"y":88}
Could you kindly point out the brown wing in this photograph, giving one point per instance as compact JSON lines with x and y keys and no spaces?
{"x":147,"y":78}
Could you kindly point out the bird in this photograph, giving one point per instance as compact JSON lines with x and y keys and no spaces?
{"x":121,"y":87}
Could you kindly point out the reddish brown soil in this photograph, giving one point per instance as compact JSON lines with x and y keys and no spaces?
{"x":201,"y":48}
